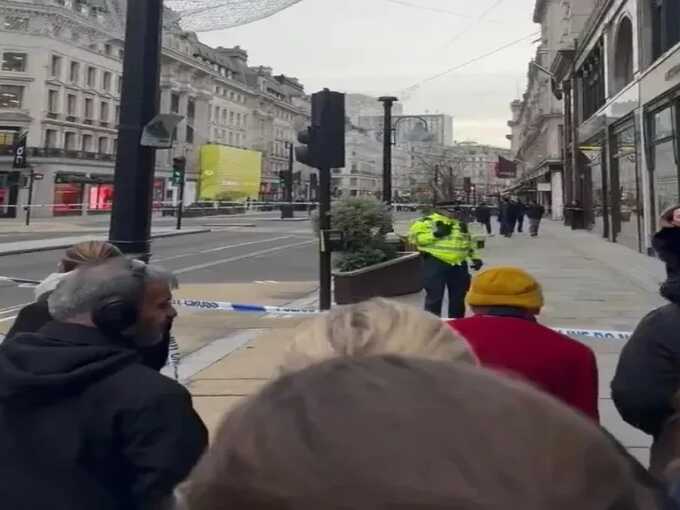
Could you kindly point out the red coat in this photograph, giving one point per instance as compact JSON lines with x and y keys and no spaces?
{"x":562,"y":367}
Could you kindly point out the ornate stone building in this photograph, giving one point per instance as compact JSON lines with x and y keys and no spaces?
{"x":60,"y":80}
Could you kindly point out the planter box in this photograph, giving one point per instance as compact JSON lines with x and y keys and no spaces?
{"x":397,"y":277}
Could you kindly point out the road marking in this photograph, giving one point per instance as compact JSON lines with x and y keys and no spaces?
{"x":11,"y":309}
{"x":212,"y":250}
{"x":240,"y":257}
{"x":8,"y":319}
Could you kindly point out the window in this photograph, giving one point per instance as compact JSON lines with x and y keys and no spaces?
{"x":665,"y":26}
{"x":190,"y":134}
{"x":231,"y":138}
{"x":191,"y":108}
{"x":15,"y":62}
{"x":87,"y":143}
{"x":245,"y":120}
{"x":108,"y":49}
{"x":224,"y":116}
{"x":55,"y":67}
{"x":107,"y":81}
{"x":104,"y":112}
{"x":666,"y":180}
{"x":117,"y":119}
{"x":8,"y":136}
{"x":16,"y":23}
{"x":238,"y":119}
{"x":114,"y":145}
{"x":70,"y":141}
{"x":216,"y":118}
{"x":591,"y":82}
{"x":119,"y":85}
{"x":103,"y":145}
{"x":51,"y":139}
{"x":231,"y":118}
{"x":89,"y":108}
{"x":174,"y":103}
{"x":91,"y":77}
{"x":11,"y":96}
{"x":53,"y":101}
{"x":623,"y":59}
{"x":74,"y":74}
{"x":71,"y":104}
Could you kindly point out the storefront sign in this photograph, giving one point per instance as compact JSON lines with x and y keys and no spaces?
{"x":544,"y":186}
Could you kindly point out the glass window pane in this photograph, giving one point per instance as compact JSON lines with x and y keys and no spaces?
{"x":11,"y":96}
{"x":630,"y":207}
{"x":663,"y":124}
{"x":665,"y":177}
{"x":15,"y":62}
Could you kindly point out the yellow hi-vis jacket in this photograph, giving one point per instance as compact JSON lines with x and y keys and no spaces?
{"x":454,"y":249}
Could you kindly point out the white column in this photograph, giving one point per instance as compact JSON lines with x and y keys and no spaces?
{"x":557,"y":195}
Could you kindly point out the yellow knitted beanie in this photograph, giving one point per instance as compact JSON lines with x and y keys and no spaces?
{"x":505,"y":286}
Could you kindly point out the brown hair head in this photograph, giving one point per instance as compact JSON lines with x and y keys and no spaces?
{"x":88,"y":252}
{"x":389,"y":432}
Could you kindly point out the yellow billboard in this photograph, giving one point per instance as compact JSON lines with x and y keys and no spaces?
{"x":228,"y":173}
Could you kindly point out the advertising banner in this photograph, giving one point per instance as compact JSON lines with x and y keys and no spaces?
{"x":229,"y":174}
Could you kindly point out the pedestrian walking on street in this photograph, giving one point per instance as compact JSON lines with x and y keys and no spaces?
{"x":666,"y":242}
{"x":520,"y":212}
{"x":483,"y":215}
{"x":84,"y":424}
{"x":447,"y":248}
{"x":535,"y":213}
{"x":372,"y":328}
{"x":34,"y":316}
{"x":391,"y":432}
{"x":506,"y":336}
{"x":506,"y":216}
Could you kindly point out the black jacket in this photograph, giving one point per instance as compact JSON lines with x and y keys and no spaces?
{"x":666,"y":243}
{"x":483,"y":214}
{"x":34,"y":316}
{"x":535,"y":212}
{"x":507,"y":212}
{"x":84,"y":425}
{"x":648,"y":373}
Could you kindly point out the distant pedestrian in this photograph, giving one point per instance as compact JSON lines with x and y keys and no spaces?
{"x":447,"y":248}
{"x":535,"y":213}
{"x":408,"y":434}
{"x":34,"y":316}
{"x":520,"y":212}
{"x":483,"y":215}
{"x":507,"y":217}
{"x":84,"y":424}
{"x":372,"y":328}
{"x":506,"y":336}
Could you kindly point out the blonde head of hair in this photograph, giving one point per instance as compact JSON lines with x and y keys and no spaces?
{"x":373,"y":328}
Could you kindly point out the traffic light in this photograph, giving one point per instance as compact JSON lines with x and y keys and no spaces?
{"x":178,"y":169}
{"x":324,"y":141}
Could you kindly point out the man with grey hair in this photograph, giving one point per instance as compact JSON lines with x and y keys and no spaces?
{"x":84,"y":424}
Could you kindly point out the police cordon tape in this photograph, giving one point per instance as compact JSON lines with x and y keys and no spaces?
{"x":220,"y":306}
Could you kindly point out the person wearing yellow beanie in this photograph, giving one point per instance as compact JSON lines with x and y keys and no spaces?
{"x":505,"y":335}
{"x":506,"y":287}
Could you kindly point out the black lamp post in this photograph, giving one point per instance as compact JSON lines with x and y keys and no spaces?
{"x":388,"y":102}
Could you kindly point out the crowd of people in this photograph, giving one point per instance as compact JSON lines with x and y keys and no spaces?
{"x":376,"y":405}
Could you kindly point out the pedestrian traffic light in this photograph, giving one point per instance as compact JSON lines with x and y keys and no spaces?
{"x":324,"y":141}
{"x":178,"y":169}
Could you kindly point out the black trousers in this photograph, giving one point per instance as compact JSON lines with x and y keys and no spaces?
{"x":487,"y":225}
{"x":440,"y":276}
{"x":520,"y":224}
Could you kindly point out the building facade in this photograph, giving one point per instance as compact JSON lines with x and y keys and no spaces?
{"x":60,"y":81}
{"x":623,"y":84}
{"x":537,"y":123}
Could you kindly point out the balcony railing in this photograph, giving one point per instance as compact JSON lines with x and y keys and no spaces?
{"x":49,"y":152}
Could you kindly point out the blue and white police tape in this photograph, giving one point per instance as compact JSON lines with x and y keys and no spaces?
{"x":221,"y":306}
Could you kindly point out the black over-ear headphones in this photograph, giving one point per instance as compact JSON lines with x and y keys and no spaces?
{"x":114,"y":314}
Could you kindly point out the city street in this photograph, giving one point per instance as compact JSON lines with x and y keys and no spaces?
{"x":266,"y":262}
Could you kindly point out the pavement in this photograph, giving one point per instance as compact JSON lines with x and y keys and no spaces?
{"x":588,"y":282}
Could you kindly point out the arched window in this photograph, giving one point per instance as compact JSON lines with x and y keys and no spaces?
{"x":623,"y":55}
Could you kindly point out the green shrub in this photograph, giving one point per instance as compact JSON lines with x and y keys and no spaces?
{"x":364,"y":223}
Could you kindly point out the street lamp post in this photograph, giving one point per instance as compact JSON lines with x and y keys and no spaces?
{"x":388,"y":102}
{"x":133,"y":181}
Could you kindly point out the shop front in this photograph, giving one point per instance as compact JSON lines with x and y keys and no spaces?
{"x":9,"y":192}
{"x":69,"y":193}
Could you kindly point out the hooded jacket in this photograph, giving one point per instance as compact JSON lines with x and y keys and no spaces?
{"x":648,"y":373}
{"x":34,"y":316}
{"x":83,"y":424}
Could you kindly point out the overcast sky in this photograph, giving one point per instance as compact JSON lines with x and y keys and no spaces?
{"x":380,"y":47}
